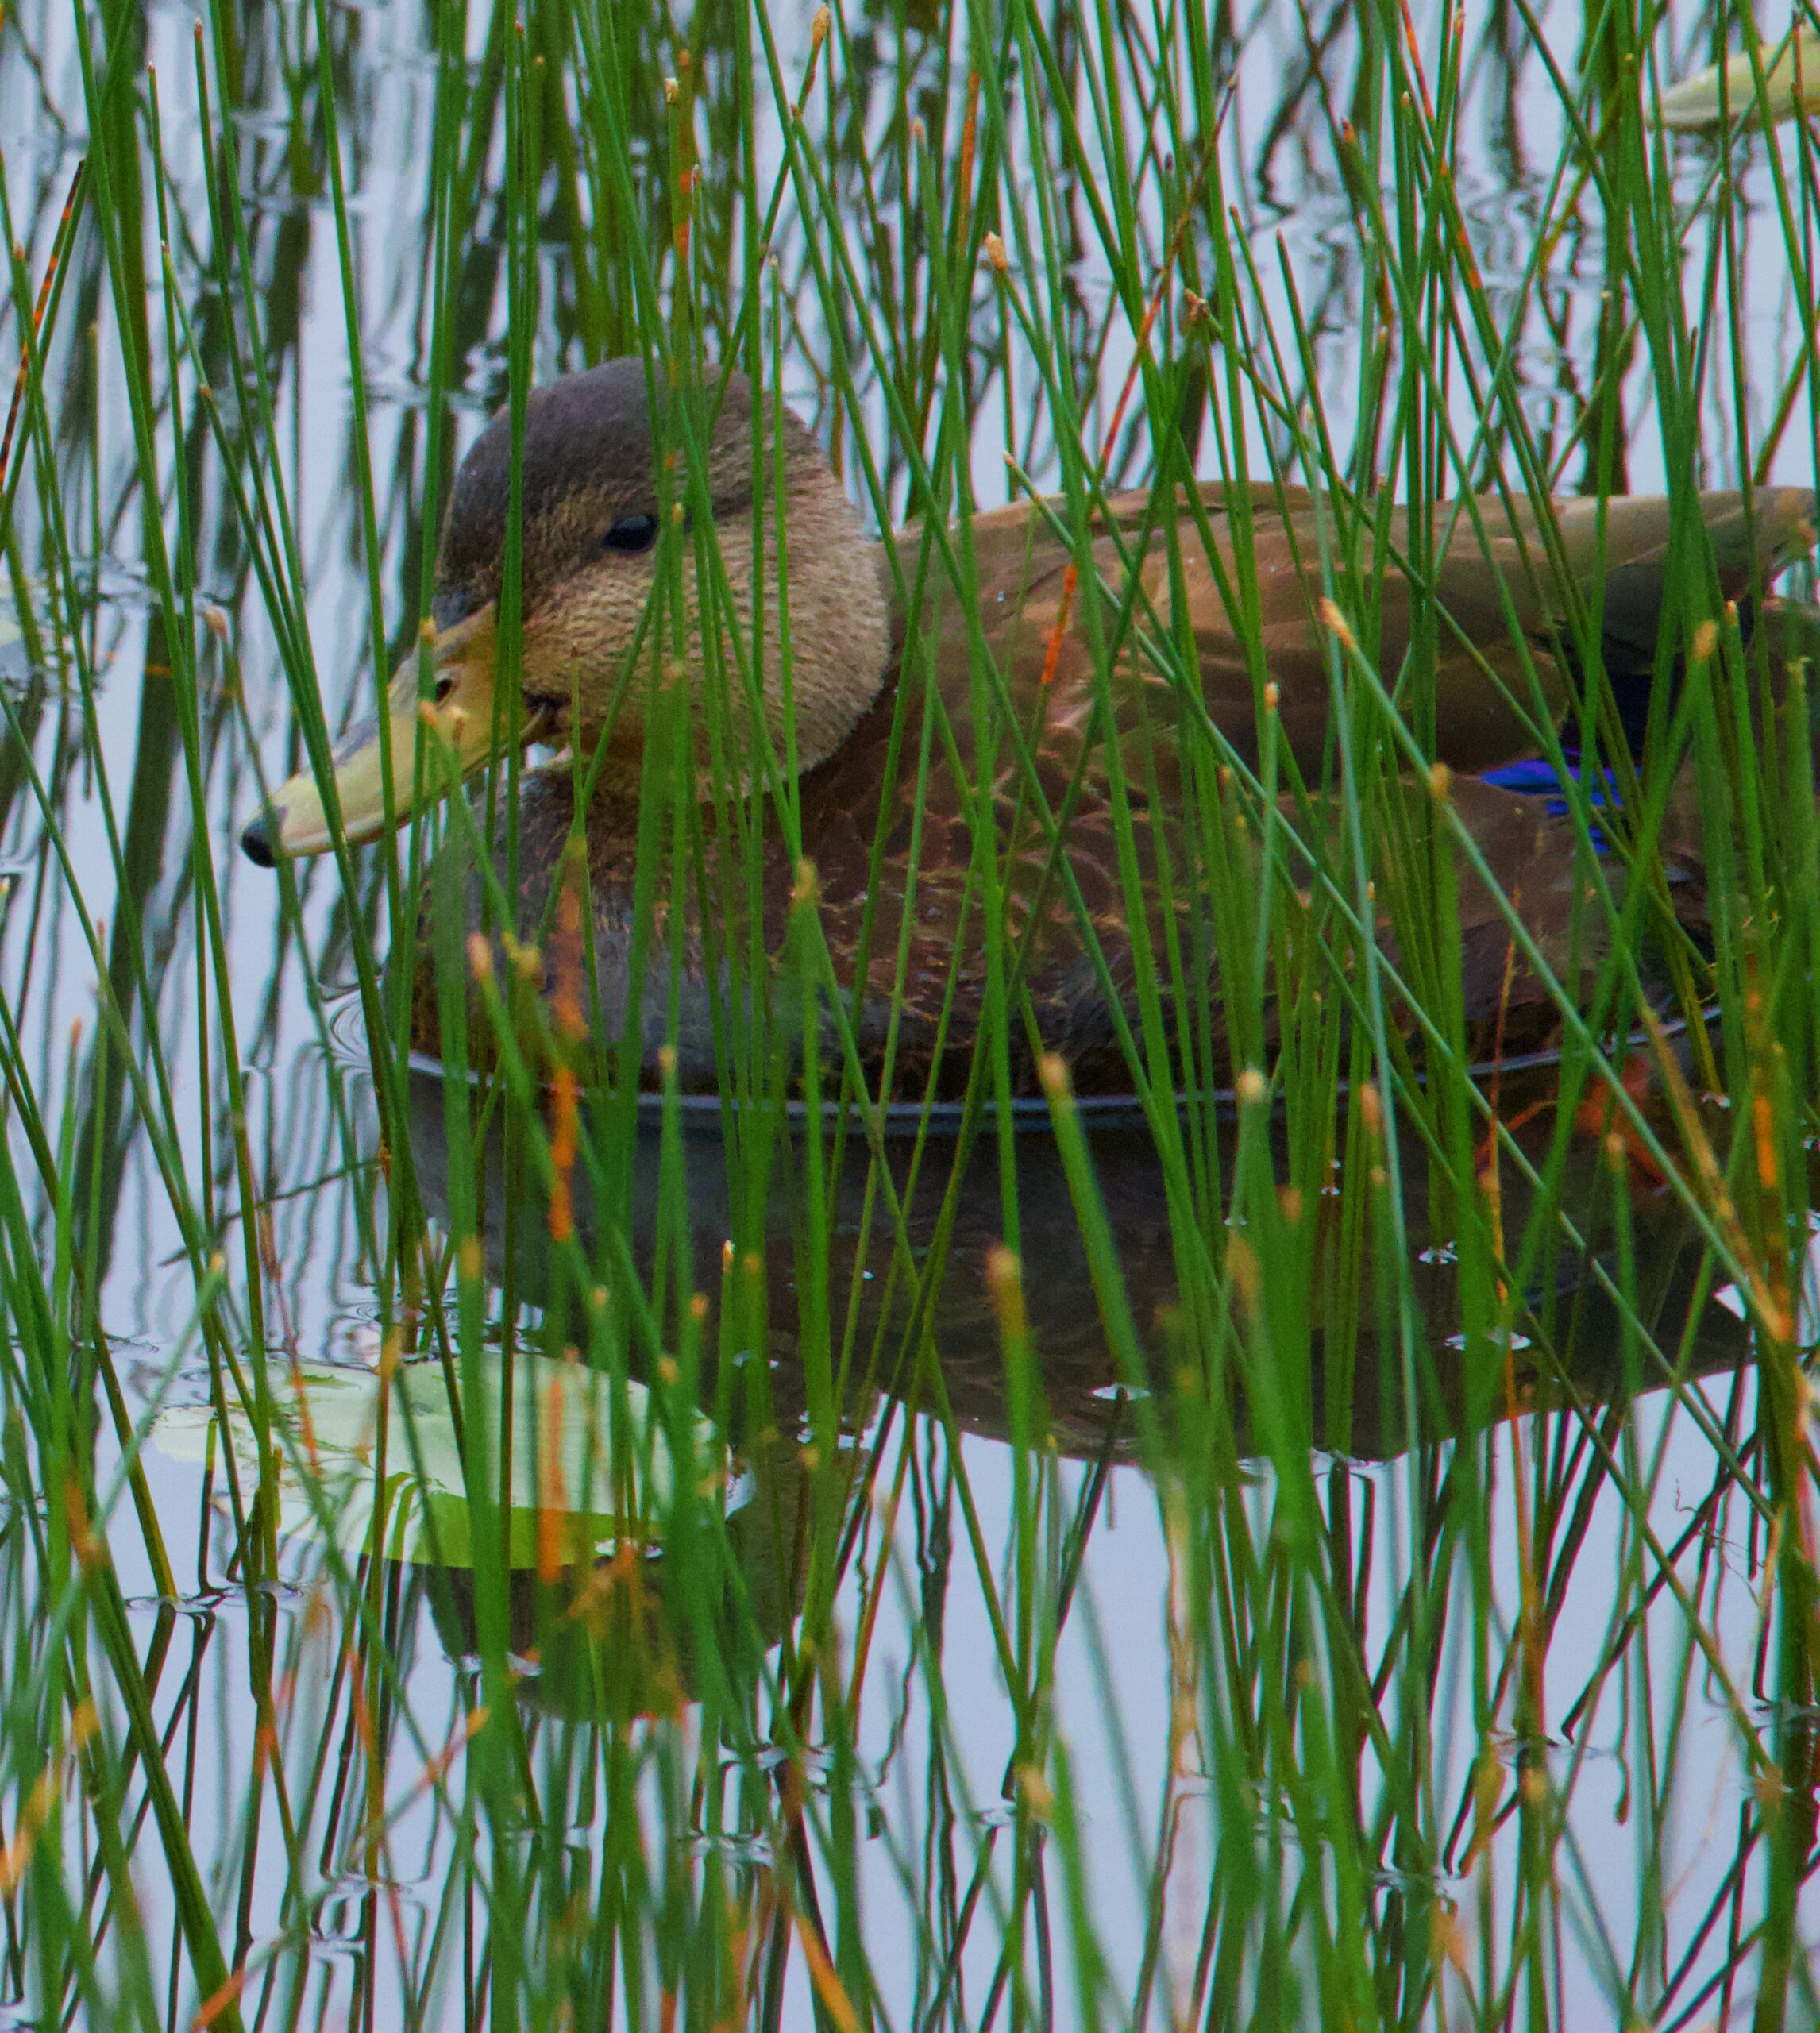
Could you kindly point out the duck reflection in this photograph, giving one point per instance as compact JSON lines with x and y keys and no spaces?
{"x":1571,"y":1344}
{"x":590,"y":1462}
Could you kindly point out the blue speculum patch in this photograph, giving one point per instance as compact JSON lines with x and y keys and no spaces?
{"x":1535,"y":776}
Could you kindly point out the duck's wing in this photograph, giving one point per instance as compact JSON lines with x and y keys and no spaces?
{"x":1247,"y":575}
{"x":1251,"y":573}
{"x":1500,"y":565}
{"x":1048,"y":628}
{"x":1617,"y":553}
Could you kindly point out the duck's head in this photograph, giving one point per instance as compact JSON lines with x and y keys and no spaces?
{"x":606,"y":538}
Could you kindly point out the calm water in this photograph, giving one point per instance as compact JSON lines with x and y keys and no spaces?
{"x":1114,"y":1690}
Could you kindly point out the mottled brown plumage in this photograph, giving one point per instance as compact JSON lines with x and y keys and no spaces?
{"x":1030,"y":645}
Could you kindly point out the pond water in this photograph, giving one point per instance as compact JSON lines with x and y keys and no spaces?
{"x":1653,"y":1870}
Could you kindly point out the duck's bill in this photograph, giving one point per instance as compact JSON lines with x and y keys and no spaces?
{"x":461,"y":731}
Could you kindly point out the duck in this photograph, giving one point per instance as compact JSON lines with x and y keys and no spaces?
{"x":834,"y":744}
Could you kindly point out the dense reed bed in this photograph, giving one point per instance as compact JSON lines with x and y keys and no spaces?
{"x":511,"y":1543}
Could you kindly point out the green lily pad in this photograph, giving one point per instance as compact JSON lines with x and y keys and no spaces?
{"x":588,"y":1466}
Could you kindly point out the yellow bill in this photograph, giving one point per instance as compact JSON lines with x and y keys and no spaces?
{"x":456,"y":721}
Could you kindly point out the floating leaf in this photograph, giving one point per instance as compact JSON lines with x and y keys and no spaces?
{"x":1792,"y":86}
{"x":588,"y":1465}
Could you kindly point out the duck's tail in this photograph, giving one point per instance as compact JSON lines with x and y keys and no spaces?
{"x":1752,"y":539}
{"x":1771,"y":530}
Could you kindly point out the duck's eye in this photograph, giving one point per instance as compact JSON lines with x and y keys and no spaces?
{"x":631,"y":532}
{"x":443,"y":687}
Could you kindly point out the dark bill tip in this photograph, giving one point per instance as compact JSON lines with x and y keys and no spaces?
{"x":256,"y":842}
